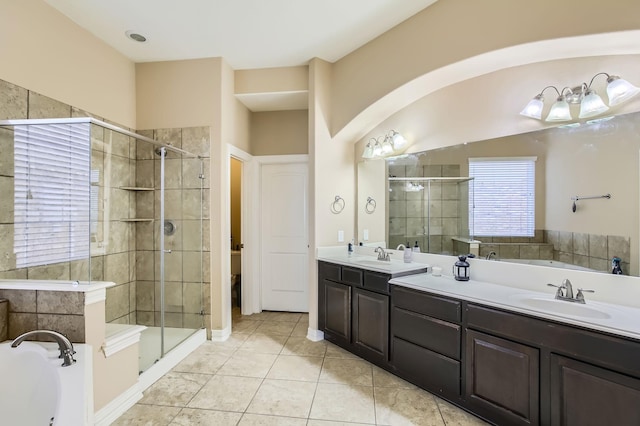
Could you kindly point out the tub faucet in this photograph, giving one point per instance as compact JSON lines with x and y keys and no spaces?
{"x":492,"y":254}
{"x":64,"y":345}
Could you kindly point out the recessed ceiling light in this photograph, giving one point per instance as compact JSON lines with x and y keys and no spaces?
{"x":135,"y":36}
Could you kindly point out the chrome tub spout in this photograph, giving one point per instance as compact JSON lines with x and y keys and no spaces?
{"x":64,"y":345}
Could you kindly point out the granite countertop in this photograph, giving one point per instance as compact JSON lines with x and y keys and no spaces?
{"x":611,"y":318}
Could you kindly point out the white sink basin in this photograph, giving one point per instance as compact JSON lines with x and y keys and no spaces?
{"x":377,"y":263}
{"x":561,"y":307}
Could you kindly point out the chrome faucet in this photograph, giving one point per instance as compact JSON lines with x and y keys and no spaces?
{"x":490,"y":255}
{"x":64,"y":345}
{"x":567,"y":295}
{"x":382,"y":255}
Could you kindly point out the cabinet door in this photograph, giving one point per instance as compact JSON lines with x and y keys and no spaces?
{"x":371,"y":325}
{"x":337,"y":312}
{"x":582,"y":394}
{"x":502,"y":379}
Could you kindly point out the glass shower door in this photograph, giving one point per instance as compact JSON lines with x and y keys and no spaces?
{"x":170,"y":277}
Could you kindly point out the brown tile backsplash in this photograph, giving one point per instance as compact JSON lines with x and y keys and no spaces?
{"x":4,"y":320}
{"x":55,"y":302}
{"x":586,"y":250}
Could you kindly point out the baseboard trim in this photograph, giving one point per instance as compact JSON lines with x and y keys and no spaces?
{"x":118,"y":406}
{"x":315,"y":335}
{"x":221,"y":335}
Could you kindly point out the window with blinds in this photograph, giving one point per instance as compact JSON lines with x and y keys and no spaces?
{"x":503,"y":196}
{"x":52,"y":198}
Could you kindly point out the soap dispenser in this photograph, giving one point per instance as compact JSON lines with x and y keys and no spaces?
{"x":416,"y":248}
{"x":407,"y":254}
{"x":350,"y":248}
{"x":615,"y":266}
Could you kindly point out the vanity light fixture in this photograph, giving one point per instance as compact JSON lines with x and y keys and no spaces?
{"x":384,"y":146}
{"x":413,"y":187}
{"x":591,"y":104}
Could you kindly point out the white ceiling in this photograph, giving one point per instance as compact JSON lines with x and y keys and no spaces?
{"x":247,"y":33}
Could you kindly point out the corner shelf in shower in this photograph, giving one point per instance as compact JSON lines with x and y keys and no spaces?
{"x":136,"y":188}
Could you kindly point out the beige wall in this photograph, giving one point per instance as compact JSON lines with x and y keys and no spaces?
{"x":223,"y":132}
{"x":177,"y":93}
{"x":372,"y":182}
{"x":114,"y":375}
{"x":270,"y":80}
{"x":44,"y":51}
{"x":487,"y":107}
{"x":279,"y":132}
{"x":429,"y":41}
{"x":242,"y":130}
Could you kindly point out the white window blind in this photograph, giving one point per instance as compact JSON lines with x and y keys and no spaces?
{"x":503,"y":196}
{"x":52,"y":193}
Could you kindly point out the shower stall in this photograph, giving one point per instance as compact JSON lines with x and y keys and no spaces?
{"x":430,"y":212}
{"x":91,"y":201}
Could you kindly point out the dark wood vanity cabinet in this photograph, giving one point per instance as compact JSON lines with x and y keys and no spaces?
{"x":337,"y":312}
{"x":508,"y":368}
{"x":354,"y":310}
{"x":502,"y":379}
{"x":371,"y":325}
{"x":426,"y":340}
{"x":526,"y":370}
{"x":583,"y":394}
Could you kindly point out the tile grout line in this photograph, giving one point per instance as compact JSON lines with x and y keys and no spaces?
{"x":263,"y":379}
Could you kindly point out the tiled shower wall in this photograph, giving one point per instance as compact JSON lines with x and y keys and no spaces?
{"x":113,"y":154}
{"x":408,"y":210}
{"x":119,"y":243}
{"x":184,"y":304}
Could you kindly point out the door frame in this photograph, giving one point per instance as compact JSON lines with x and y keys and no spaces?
{"x":247,"y":226}
{"x":254,"y":290}
{"x":251,"y":288}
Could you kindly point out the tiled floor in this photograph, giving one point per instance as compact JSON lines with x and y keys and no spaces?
{"x":268,"y":373}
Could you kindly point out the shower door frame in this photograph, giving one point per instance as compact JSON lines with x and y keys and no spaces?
{"x":163,"y":149}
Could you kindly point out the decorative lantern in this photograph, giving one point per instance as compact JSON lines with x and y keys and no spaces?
{"x":461,"y":269}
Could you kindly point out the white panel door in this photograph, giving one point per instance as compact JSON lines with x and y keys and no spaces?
{"x":284,"y":237}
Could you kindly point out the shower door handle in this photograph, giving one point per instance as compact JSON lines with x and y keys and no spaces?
{"x":167,"y":251}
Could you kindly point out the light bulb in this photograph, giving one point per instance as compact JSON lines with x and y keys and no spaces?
{"x":368,"y":151}
{"x":620,"y":90}
{"x":559,"y":111}
{"x":398,"y":140}
{"x":534,"y":108}
{"x":592,"y":105}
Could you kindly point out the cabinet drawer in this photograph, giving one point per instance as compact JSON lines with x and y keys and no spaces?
{"x":376,"y":282}
{"x":426,"y":369}
{"x":612,"y":352}
{"x":422,"y":303}
{"x":352,"y":276}
{"x":439,"y":336}
{"x":329,"y":271}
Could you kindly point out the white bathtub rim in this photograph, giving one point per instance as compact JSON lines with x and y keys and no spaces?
{"x":83,"y":365}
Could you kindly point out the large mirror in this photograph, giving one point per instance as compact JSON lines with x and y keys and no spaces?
{"x":584,"y":160}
